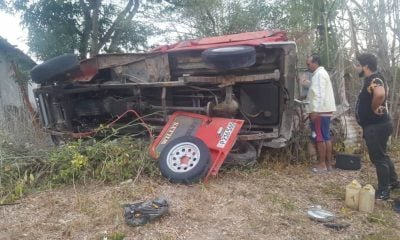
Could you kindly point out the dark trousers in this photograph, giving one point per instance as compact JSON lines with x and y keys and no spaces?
{"x":376,"y":137}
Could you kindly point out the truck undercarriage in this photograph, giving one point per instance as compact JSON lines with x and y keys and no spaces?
{"x":157,"y":84}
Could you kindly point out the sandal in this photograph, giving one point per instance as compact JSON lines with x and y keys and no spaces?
{"x":318,"y":170}
{"x":332,"y":169}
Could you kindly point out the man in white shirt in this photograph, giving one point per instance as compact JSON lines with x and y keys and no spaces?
{"x":321,"y":107}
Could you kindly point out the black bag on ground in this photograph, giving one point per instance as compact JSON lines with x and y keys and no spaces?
{"x":346,"y":161}
{"x":138,"y":214}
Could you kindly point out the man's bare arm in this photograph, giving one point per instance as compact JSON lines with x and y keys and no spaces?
{"x":378,"y":98}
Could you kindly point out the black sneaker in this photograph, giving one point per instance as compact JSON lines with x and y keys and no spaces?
{"x":395,"y":185}
{"x":382,"y":195}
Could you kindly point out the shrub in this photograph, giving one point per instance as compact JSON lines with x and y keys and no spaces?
{"x":105,"y":160}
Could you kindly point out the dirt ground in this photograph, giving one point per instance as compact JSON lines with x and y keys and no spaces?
{"x":261,"y":202}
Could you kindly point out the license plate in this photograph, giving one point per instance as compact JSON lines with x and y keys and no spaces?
{"x":226,"y":135}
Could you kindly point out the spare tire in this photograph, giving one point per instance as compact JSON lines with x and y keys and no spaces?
{"x":242,"y":154}
{"x":230,"y":57}
{"x":55,"y":69}
{"x":186,"y":159}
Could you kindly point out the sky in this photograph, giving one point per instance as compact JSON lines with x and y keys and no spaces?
{"x":12,"y":31}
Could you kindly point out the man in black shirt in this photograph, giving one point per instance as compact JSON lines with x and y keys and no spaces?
{"x":373,"y":117}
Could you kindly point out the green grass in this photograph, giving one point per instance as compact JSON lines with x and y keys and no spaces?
{"x":108,"y":161}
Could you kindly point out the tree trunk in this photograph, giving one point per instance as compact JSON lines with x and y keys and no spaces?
{"x":95,"y":28}
{"x":87,"y":27}
{"x":383,"y":46}
{"x":353,"y":32}
{"x":118,"y":28}
{"x":377,"y":37}
{"x":107,"y":36}
{"x":209,"y":15}
{"x":393,"y":63}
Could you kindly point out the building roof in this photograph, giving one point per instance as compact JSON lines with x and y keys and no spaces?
{"x":11,"y":50}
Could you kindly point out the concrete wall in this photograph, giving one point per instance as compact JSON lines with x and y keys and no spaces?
{"x":17,"y":125}
{"x":10,"y":96}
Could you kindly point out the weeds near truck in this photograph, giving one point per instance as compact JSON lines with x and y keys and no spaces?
{"x":15,"y":174}
{"x":109,"y":161}
{"x":20,"y":128}
{"x":76,"y":162}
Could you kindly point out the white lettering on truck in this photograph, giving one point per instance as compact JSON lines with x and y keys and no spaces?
{"x":169,"y":132}
{"x":226,"y":135}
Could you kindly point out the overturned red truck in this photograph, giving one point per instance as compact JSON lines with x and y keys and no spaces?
{"x":247,"y":76}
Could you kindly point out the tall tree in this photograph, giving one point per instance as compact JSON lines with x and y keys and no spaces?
{"x":218,"y":17}
{"x":376,"y":24}
{"x":84,"y":26}
{"x":198,"y":18}
{"x":313,"y":26}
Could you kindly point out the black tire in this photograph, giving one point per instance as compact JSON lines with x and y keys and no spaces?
{"x":242,"y":154}
{"x":55,"y":69}
{"x":176,"y":172}
{"x":230,"y":57}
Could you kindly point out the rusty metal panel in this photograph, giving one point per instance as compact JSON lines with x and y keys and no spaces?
{"x":259,"y":136}
{"x":150,"y":69}
{"x":230,"y":80}
{"x":155,"y":64}
{"x":89,"y":68}
{"x":194,"y":66}
{"x":113,"y":60}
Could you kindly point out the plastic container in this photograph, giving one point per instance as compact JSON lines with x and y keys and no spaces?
{"x":353,"y":194}
{"x":367,"y":199}
{"x":321,"y":215}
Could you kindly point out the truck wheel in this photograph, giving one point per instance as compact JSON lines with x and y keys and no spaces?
{"x":242,"y":154}
{"x":230,"y":57}
{"x":185,"y":160}
{"x":55,"y":69}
